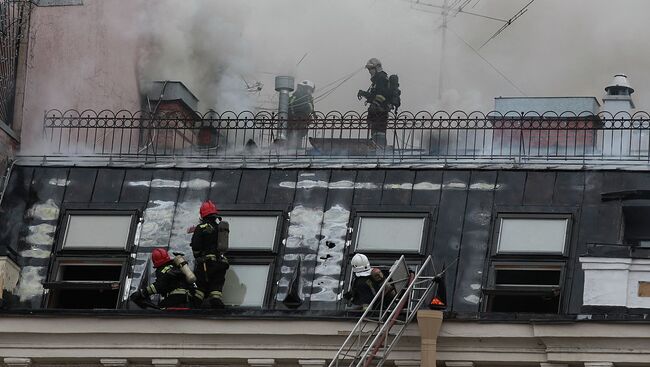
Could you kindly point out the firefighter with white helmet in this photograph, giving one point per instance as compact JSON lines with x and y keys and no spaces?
{"x":366,"y":283}
{"x":301,"y":109}
{"x":378,"y":100}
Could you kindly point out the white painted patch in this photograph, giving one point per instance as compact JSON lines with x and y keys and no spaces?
{"x":325,"y":287}
{"x":36,"y":253}
{"x":59,"y":182}
{"x":475,"y":286}
{"x":288,"y":184}
{"x":41,"y":235}
{"x":483,"y":186}
{"x":30,"y":284}
{"x":157,"y":224}
{"x":365,"y":185}
{"x":455,"y":185}
{"x":44,"y":211}
{"x":197,"y":184}
{"x":403,"y":186}
{"x":472,"y":299}
{"x":330,"y":260}
{"x":307,"y":174}
{"x":310,"y":184}
{"x":305,"y":227}
{"x":185,"y":217}
{"x":426,"y":186}
{"x":344,"y":184}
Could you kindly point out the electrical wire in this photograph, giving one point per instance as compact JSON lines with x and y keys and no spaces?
{"x":342,"y":80}
{"x":487,"y":62}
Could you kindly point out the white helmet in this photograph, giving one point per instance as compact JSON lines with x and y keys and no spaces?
{"x":373,"y":63}
{"x":360,"y":265}
{"x":308,"y":84}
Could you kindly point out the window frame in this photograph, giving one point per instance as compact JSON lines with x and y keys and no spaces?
{"x":61,"y":255}
{"x":357,"y":215}
{"x":268,"y":289}
{"x":279,"y":230}
{"x":386,"y":258}
{"x":494,"y":251}
{"x":55,"y":284}
{"x":63,"y":228}
{"x":258,"y":256}
{"x":527,"y":259}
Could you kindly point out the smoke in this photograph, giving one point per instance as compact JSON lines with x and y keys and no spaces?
{"x":212,"y":44}
{"x":200,"y":43}
{"x":91,"y":56}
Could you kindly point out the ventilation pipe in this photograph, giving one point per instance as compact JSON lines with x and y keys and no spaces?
{"x":618,"y":96}
{"x":284,"y":86}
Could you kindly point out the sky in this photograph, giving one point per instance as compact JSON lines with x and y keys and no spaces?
{"x":556,"y":48}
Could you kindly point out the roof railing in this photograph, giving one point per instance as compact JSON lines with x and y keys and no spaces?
{"x":423,"y":136}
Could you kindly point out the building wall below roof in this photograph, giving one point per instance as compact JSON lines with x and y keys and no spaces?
{"x":138,"y":340}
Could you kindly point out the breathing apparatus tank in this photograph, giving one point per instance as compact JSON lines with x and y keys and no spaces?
{"x":223,"y":234}
{"x":180,"y":261}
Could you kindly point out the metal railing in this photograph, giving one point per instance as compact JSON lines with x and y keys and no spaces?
{"x":422,"y":136}
{"x":14,"y":29}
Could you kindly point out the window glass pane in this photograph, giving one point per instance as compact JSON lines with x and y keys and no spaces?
{"x":534,"y":303}
{"x":390,"y":234}
{"x":97,"y":231}
{"x":84,"y":298}
{"x":252,"y":232}
{"x":527,"y":277}
{"x":246,"y":285}
{"x":532,"y":235}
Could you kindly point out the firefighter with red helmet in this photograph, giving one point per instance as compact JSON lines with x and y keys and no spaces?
{"x":210,"y":263}
{"x":171,"y":283}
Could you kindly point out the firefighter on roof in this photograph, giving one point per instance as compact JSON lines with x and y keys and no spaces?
{"x":173,"y":282}
{"x":378,"y":100}
{"x":209,"y":242}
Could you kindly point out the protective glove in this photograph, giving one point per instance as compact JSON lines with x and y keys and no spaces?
{"x":362,"y":94}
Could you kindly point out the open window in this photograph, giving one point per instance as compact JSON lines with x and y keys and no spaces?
{"x":384,"y":236}
{"x":637,"y":226}
{"x":526,"y":269}
{"x":90,"y":259}
{"x":253,"y":243}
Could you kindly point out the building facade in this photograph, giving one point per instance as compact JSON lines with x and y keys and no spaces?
{"x":538,"y":218}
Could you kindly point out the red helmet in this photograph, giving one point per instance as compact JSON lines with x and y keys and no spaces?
{"x":208,"y":208}
{"x":160,"y":257}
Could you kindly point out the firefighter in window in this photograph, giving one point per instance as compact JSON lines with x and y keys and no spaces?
{"x":366,"y":283}
{"x":174,"y":282}
{"x":209,"y":242}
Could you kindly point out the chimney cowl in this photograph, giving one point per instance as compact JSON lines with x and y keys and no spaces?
{"x":618,"y":84}
{"x":284,"y":83}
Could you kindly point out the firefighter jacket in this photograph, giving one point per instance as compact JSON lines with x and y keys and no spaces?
{"x":205,"y":238}
{"x":379,"y":92}
{"x":364,"y":290}
{"x":169,"y":281}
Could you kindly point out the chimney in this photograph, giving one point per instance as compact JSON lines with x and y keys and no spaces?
{"x":168,"y":97}
{"x":618,"y":96}
{"x":283,"y":85}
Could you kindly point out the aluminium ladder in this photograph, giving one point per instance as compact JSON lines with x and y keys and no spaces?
{"x":373,"y":337}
